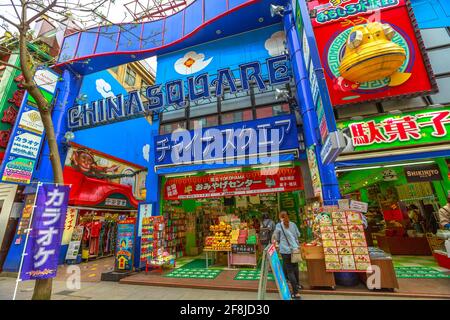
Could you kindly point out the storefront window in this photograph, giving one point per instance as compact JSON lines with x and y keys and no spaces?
{"x":203,"y":109}
{"x":204,"y":122}
{"x":237,"y":116}
{"x":236,"y":101}
{"x":167,"y":128}
{"x":272,"y":111}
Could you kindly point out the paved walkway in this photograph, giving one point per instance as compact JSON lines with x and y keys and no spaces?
{"x":115,"y":291}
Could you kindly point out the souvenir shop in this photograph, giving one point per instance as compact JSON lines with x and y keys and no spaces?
{"x":216,"y":216}
{"x":96,"y":207}
{"x":403,"y":200}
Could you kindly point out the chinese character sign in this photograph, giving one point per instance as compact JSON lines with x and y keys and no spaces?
{"x":47,"y":226}
{"x":390,"y":131}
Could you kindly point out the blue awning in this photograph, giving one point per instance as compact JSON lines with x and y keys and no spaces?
{"x":236,"y":163}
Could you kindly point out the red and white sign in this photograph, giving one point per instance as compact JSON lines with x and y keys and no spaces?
{"x":230,"y":184}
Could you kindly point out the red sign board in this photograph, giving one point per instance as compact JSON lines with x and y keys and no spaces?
{"x":370,"y":50}
{"x":230,"y":184}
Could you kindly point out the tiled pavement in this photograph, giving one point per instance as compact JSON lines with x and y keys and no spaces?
{"x":115,"y":291}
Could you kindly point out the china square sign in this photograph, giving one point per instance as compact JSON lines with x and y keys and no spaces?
{"x":371,"y":50}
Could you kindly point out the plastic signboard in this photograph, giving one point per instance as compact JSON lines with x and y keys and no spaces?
{"x":27,"y":135}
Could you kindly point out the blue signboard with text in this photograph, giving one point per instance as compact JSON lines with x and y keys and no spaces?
{"x":261,"y":137}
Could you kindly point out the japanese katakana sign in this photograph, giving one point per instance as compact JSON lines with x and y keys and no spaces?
{"x":262,"y":137}
{"x":47,"y":226}
{"x":409,"y":129}
{"x":242,"y":183}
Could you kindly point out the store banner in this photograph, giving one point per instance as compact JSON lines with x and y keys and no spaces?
{"x":423,"y":173}
{"x":27,"y":135}
{"x":406,"y":130}
{"x":125,"y":244}
{"x":44,"y":241}
{"x":360,"y":67}
{"x":231,"y":184}
{"x":314,"y":68}
{"x":226,"y":143}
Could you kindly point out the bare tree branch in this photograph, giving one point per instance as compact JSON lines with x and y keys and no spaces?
{"x":9,"y":21}
{"x":10,"y":65}
{"x":44,"y":11}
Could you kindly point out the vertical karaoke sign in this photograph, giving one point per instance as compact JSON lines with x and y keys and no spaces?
{"x":40,"y":260}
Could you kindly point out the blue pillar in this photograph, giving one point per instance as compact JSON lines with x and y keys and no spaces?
{"x":330,"y":185}
{"x":152,"y":183}
{"x":68,"y":89}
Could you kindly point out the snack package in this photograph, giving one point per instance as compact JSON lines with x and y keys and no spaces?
{"x":332,"y":266}
{"x":347,"y":262}
{"x":342,"y":236}
{"x":344,"y":250}
{"x":360,"y":250}
{"x":329,"y":243}
{"x":340,"y":228}
{"x":330,"y":250}
{"x":331,"y":258}
{"x":328,"y":236}
{"x":357,"y":235}
{"x":358,"y":243}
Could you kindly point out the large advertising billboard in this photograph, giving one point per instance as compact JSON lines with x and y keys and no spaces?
{"x":371,"y":50}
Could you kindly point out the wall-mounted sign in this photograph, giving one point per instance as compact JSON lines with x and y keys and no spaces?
{"x":407,"y":130}
{"x":26,"y":138}
{"x":423,"y":173}
{"x":332,"y":147}
{"x":125,"y":244}
{"x":232,"y":184}
{"x":370,"y":50}
{"x":31,"y":120}
{"x":314,"y":171}
{"x":175,"y":92}
{"x":96,"y":164}
{"x":265,"y":137}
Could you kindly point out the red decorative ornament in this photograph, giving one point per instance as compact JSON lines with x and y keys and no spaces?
{"x":17,"y":98}
{"x":10,"y":115}
{"x":4,"y":137}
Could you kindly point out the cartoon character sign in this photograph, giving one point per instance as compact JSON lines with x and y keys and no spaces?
{"x":370,"y":51}
{"x":84,"y":161}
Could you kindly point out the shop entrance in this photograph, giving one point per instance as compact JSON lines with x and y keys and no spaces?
{"x":211,"y":221}
{"x":403,"y":203}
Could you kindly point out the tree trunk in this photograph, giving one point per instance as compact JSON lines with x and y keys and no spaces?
{"x":42,"y":288}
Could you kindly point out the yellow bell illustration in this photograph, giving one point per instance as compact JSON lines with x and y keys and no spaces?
{"x":371,"y":55}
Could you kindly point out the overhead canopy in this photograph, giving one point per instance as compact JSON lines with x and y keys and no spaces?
{"x":87,"y":191}
{"x":202,"y":21}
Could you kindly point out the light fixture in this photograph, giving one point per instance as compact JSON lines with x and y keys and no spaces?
{"x":395,"y":112}
{"x":223,"y":170}
{"x":276,"y":10}
{"x":218,"y":31}
{"x":357,"y":118}
{"x":261,"y":19}
{"x":181,"y":175}
{"x":281,"y":94}
{"x":385,"y":166}
{"x":69,"y":136}
{"x":273,"y":165}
